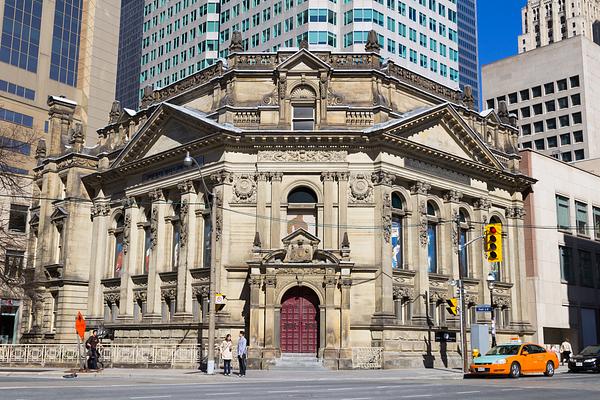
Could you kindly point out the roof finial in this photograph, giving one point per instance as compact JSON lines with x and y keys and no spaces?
{"x":372,"y":44}
{"x":236,"y":45}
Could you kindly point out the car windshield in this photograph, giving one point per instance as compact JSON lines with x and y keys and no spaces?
{"x":507,"y":350}
{"x":591,"y":350}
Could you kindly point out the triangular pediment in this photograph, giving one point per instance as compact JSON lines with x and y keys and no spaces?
{"x":303,"y":61}
{"x":301,"y":235}
{"x":443,"y":130}
{"x":169,"y":127}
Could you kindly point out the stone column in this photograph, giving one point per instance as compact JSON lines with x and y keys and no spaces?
{"x":384,"y":304}
{"x":449,"y":236}
{"x":345,"y":358}
{"x":276,"y":210}
{"x":515,"y":241}
{"x":254,"y":339}
{"x":262,"y":222}
{"x":419,"y":247}
{"x":61,"y":114}
{"x":332,"y":320}
{"x":269,"y":351}
{"x":157,"y":253}
{"x":342,"y":206}
{"x":328,"y":179}
{"x":482,"y":208}
{"x":130,"y":256}
{"x":187,"y":252}
{"x":95,"y":307}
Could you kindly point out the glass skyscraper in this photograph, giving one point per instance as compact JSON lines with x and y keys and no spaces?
{"x":64,"y":61}
{"x":21,"y":26}
{"x":130,"y":53}
{"x":468,"y":60}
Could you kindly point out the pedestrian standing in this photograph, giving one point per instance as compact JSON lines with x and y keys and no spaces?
{"x":565,"y":351}
{"x":242,"y":353}
{"x":226,"y":354}
{"x":92,"y":345}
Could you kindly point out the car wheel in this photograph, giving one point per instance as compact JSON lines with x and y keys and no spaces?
{"x":549,"y":369}
{"x":515,"y":370}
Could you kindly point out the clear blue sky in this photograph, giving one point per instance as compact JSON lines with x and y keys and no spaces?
{"x":499,"y":25}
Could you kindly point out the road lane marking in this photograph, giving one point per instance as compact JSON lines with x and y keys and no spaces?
{"x":283,"y":391}
{"x":510,"y":390}
{"x":358,"y":398}
{"x":221,"y":394}
{"x":412,"y":396}
{"x":150,"y":397}
{"x":335,"y":389}
{"x":469,"y":392}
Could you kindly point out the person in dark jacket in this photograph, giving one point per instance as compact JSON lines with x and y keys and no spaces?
{"x":92,"y":345}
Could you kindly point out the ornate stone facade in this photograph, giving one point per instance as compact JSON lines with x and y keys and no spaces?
{"x":355,"y":216}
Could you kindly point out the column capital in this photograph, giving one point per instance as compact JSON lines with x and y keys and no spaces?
{"x":221,"y":177}
{"x":343,"y":176}
{"x":276,"y":176}
{"x":156,"y":195}
{"x":453,"y":196}
{"x":328,"y":176}
{"x":420,"y":187}
{"x":129,"y":202}
{"x":515,"y":212}
{"x":263,"y":176}
{"x":186,"y":187}
{"x":100,"y":209}
{"x":270,"y":281}
{"x":483,"y":204}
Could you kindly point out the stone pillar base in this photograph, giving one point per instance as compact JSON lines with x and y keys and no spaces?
{"x":382,"y":319}
{"x":182,"y":317}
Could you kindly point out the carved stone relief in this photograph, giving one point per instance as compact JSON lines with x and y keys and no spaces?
{"x":302,"y":155}
{"x":360,"y":189}
{"x":244,"y":189}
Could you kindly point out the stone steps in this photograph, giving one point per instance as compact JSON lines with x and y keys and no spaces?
{"x":298,"y":362}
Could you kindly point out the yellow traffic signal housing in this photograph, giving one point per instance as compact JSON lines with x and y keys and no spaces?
{"x":493,"y":242}
{"x":452,"y":306}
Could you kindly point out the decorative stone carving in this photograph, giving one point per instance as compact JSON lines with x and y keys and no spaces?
{"x":129,"y":202}
{"x":100,"y":209}
{"x":302,"y":156}
{"x":333,"y":98}
{"x":111,"y":297}
{"x":467,"y":97}
{"x":386,"y":219}
{"x":140,"y":295}
{"x":236,"y":45}
{"x":420,"y":188}
{"x":156,"y":195}
{"x":372,"y":44}
{"x":304,"y":44}
{"x":147,"y":96}
{"x":303,"y":92}
{"x":183,"y":220}
{"x":126,"y":233}
{"x":300,"y":271}
{"x":40,"y":151}
{"x":300,"y":246}
{"x":502,"y":301}
{"x":383,"y":178}
{"x":244,"y":189}
{"x":186,"y":187}
{"x":115,"y":112}
{"x":200,"y":291}
{"x":255,"y":281}
{"x":453,"y":196}
{"x":471,"y":299}
{"x":423,"y":238}
{"x":329,"y":281}
{"x":360,"y":189}
{"x":218,"y":210}
{"x":276,"y":176}
{"x":437,"y":296}
{"x":342,"y":176}
{"x":282,"y":87}
{"x":153,"y":227}
{"x":270,"y":280}
{"x":515,"y":212}
{"x":483,"y":204}
{"x":323,"y":85}
{"x":403,"y":292}
{"x":168,"y":293}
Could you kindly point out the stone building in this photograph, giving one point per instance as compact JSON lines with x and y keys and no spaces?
{"x":327,"y":197}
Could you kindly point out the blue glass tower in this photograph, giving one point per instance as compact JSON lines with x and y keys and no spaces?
{"x":20,"y":42}
{"x":468,"y":59}
{"x":64,"y":61}
{"x":130,"y":53}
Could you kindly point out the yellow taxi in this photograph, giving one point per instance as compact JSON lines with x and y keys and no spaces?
{"x":514,"y":360}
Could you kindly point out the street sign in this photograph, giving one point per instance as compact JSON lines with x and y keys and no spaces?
{"x":445,"y":336}
{"x":80,"y":325}
{"x":219,"y":298}
{"x":483,"y":308}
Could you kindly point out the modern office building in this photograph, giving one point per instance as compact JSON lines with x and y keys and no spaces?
{"x":468,"y":55}
{"x":130,"y":53}
{"x":563,"y":265}
{"x":554,"y":91}
{"x":180,"y":38}
{"x":64,"y":48}
{"x":549,"y":21}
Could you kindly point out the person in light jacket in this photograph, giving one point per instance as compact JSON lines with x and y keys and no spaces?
{"x":242,"y":353}
{"x":226,"y":354}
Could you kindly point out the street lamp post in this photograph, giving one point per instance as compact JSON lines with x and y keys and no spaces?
{"x":188,"y":161}
{"x":491,"y":281}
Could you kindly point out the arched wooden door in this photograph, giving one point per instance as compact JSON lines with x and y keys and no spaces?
{"x":299,"y":321}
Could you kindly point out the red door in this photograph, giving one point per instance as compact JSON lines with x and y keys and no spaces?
{"x":299,"y":321}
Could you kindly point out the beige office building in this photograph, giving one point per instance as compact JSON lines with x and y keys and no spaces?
{"x":548,"y":21}
{"x":563,"y":264}
{"x":61,"y":48}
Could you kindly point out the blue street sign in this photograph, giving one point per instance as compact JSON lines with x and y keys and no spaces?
{"x":483,"y":308}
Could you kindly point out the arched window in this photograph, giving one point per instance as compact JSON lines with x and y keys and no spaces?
{"x":119,"y":236}
{"x":303,"y":108}
{"x":496,"y":268}
{"x":432,"y":233}
{"x":302,"y":210}
{"x":397,"y":231}
{"x":176,"y":240}
{"x":463,"y":234}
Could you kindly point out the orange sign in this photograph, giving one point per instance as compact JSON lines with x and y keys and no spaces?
{"x":80,"y":325}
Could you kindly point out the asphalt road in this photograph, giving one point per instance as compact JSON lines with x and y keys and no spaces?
{"x":328,"y":385}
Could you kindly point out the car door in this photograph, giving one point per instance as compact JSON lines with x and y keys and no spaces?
{"x":528,"y":363}
{"x":541,"y":358}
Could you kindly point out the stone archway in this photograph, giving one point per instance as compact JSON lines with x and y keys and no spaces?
{"x":299,"y":321}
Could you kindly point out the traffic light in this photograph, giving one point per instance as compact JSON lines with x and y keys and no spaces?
{"x":452,"y":306}
{"x":493,"y":242}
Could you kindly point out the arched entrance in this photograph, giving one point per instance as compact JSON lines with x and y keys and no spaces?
{"x":299,"y":321}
